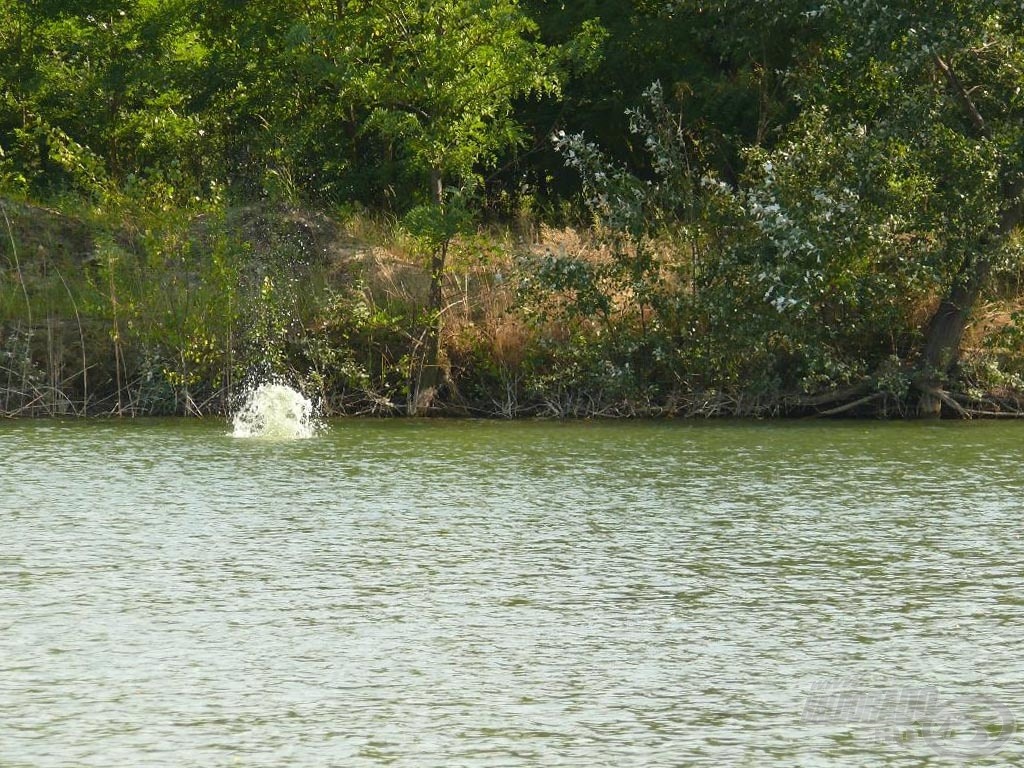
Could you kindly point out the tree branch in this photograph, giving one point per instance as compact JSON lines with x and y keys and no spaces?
{"x":962,"y":95}
{"x":849,"y":406}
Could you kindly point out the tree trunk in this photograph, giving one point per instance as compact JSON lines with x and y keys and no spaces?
{"x":946,"y":328}
{"x":945,"y":331}
{"x":428,"y":376}
{"x":436,"y":186}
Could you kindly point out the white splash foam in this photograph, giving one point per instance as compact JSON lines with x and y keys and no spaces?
{"x":275,"y":412}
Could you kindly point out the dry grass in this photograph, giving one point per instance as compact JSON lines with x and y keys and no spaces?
{"x":392,"y":281}
{"x":991,"y":318}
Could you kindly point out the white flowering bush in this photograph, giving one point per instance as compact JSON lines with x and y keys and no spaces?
{"x":631,"y":294}
{"x":830,"y":253}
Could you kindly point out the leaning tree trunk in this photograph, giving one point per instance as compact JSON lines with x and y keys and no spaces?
{"x":945,"y":331}
{"x":946,"y":327}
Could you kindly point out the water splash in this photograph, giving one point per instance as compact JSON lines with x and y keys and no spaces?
{"x":275,"y":412}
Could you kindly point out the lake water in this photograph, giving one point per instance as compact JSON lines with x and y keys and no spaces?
{"x":426,"y":593}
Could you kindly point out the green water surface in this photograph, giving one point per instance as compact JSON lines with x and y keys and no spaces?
{"x":436,"y":593}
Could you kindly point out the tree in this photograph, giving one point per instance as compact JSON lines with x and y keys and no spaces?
{"x":440,"y":78}
{"x":933,"y":89}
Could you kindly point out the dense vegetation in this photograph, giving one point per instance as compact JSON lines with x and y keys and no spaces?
{"x":513,"y":207}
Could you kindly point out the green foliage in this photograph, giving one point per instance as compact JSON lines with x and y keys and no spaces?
{"x":829,"y":251}
{"x":435,"y":226}
{"x":635,"y":294}
{"x":803,"y":182}
{"x":442,"y":77}
{"x":934,"y":90}
{"x":96,"y":93}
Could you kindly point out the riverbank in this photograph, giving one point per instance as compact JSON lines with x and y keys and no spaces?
{"x":177,"y":312}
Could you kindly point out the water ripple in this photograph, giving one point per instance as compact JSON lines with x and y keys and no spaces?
{"x":438,"y":594}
